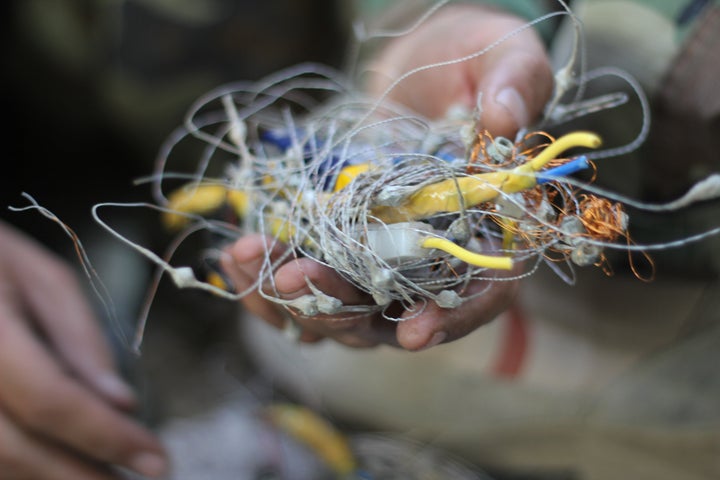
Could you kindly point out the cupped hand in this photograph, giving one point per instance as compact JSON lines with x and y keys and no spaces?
{"x":63,"y":408}
{"x":414,"y":331}
{"x":515,"y":80}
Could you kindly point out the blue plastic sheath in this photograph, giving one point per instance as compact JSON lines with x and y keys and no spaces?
{"x":279,"y":138}
{"x":283,"y":140}
{"x":573,"y":166}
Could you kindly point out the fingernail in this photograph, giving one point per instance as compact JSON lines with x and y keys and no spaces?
{"x":296,"y":293}
{"x":514,"y":103}
{"x":113,"y":387}
{"x":436,"y":339}
{"x":149,"y":464}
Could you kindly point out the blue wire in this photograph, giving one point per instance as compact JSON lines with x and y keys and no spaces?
{"x":280,"y":139}
{"x":573,"y":166}
{"x":283,"y":140}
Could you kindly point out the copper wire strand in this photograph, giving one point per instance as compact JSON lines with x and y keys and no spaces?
{"x":532,"y":150}
{"x":602,"y":218}
{"x":479,"y":159}
{"x":602,"y":221}
{"x":633,"y":266}
{"x":446,"y":264}
{"x":537,"y":133}
{"x":479,"y":149}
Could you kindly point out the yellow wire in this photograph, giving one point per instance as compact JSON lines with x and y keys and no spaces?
{"x":472,"y":258}
{"x":575,"y":139}
{"x":201,"y":199}
{"x":349,"y":173}
{"x":317,"y":433}
{"x":508,"y":235}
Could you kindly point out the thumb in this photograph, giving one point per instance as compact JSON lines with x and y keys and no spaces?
{"x":514,"y":90}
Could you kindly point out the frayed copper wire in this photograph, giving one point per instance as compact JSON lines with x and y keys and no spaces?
{"x":478,"y":151}
{"x":634,"y":269}
{"x":603,"y":220}
{"x":479,"y":160}
{"x":531,"y":144}
{"x":443,"y":264}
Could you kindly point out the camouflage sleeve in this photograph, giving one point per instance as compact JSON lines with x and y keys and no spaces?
{"x":530,"y":10}
{"x":527,"y":9}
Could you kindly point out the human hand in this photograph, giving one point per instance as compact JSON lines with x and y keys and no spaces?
{"x":416,"y":331}
{"x":516,"y":81}
{"x":63,"y":407}
{"x":514,"y":77}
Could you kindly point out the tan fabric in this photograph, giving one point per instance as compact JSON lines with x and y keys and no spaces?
{"x":614,"y":382}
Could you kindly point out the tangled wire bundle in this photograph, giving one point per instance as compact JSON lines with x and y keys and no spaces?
{"x":394,"y":202}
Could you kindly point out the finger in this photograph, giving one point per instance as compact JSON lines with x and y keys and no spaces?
{"x":24,"y":456}
{"x":516,"y":82}
{"x":50,"y":290}
{"x":514,"y":76}
{"x":429,"y":91}
{"x":244,"y":264}
{"x":307,"y":336}
{"x":48,"y":402}
{"x":364,"y":330}
{"x":376,"y":331}
{"x":435,"y":325}
{"x":292,"y":281}
{"x":358,"y":330}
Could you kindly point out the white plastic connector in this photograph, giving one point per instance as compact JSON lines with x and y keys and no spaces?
{"x":398,"y":242}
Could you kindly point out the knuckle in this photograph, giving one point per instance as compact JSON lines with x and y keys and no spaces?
{"x":43,"y":413}
{"x":49,"y":407}
{"x":356,"y":341}
{"x":10,"y":453}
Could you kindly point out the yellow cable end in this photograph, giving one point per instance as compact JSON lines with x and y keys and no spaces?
{"x":201,"y":200}
{"x":571,"y":140}
{"x":348,"y":174}
{"x":192,"y":198}
{"x":315,"y":432}
{"x":472,"y":258}
{"x":216,"y":280}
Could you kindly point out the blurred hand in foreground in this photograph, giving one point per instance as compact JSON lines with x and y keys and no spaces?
{"x":63,"y":407}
